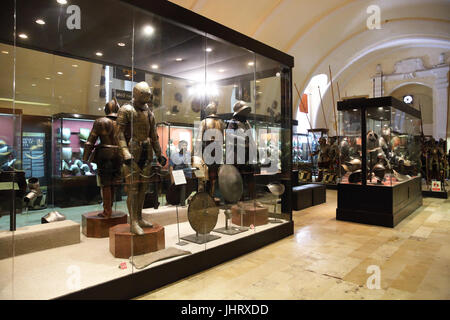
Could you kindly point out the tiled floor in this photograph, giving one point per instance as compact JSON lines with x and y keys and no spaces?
{"x":329,"y":259}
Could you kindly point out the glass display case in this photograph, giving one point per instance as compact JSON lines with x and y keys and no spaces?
{"x":144,"y":175}
{"x":302,"y":156}
{"x":74,"y":179}
{"x":380,"y":150}
{"x":12,"y":178}
{"x":435,"y":168}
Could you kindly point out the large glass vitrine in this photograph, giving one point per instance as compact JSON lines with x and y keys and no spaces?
{"x":380,"y":149}
{"x":80,"y":68}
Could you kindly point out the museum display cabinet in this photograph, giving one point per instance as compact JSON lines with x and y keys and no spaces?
{"x":12,"y":177}
{"x":157,"y":144}
{"x":380,"y":147}
{"x":74,"y":180}
{"x":434,"y":168}
{"x":323,"y":157}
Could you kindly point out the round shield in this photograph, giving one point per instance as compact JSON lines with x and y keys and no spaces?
{"x":276,"y":188}
{"x":202,"y":213}
{"x":230,"y":183}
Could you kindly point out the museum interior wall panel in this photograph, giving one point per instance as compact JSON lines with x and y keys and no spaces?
{"x":99,"y":123}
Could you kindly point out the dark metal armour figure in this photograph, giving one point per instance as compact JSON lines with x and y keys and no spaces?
{"x":136,"y":132}
{"x":106,"y":155}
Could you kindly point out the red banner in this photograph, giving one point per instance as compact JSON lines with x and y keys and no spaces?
{"x":303,"y":104}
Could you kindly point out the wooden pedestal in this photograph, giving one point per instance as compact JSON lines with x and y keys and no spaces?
{"x":94,"y":226}
{"x":253,"y":215}
{"x":121,"y":240}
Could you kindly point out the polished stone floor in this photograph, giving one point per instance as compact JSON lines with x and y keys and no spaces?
{"x":329,"y":259}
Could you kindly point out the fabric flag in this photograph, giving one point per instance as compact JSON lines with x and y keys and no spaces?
{"x":303,"y":104}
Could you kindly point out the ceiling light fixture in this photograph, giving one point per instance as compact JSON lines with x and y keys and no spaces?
{"x":59,"y":72}
{"x":169,"y":83}
{"x":99,"y":54}
{"x":75,"y":65}
{"x":208,"y":49}
{"x":148,"y":30}
{"x":40,"y":21}
{"x":5,"y":52}
{"x":121,"y":44}
{"x":221,"y":70}
{"x":23,"y":36}
{"x":179,"y":59}
{"x":251,"y":63}
{"x":33,"y":84}
{"x":155,"y":66}
{"x":62,"y":1}
{"x":47,"y":78}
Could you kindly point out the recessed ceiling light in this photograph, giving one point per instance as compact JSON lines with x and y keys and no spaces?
{"x":221,"y":70}
{"x":169,"y":82}
{"x":251,"y":63}
{"x":357,"y":110}
{"x":47,"y":78}
{"x":97,"y":85}
{"x":208,"y":49}
{"x":5,"y":52}
{"x":121,"y":44}
{"x":99,"y":54}
{"x":40,"y":21}
{"x":59,"y":72}
{"x":178,"y":59}
{"x":148,"y":30}
{"x":278,"y":74}
{"x":23,"y":36}
{"x":155,"y":66}
{"x":75,"y":65}
{"x":127,"y":75}
{"x":33,"y":84}
{"x":260,"y":92}
{"x":257,"y":81}
{"x":62,"y":1}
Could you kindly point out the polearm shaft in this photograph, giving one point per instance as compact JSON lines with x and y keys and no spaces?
{"x":310,"y":126}
{"x":334,"y":102}
{"x":301,"y":101}
{"x":323,"y":110}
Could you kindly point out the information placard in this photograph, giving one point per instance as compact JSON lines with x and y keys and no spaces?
{"x":178,"y":177}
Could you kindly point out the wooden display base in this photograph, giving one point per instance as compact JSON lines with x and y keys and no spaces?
{"x":94,"y":226}
{"x":121,"y":240}
{"x":253,"y":215}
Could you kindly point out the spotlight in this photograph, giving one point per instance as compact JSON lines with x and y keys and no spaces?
{"x":148,"y":30}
